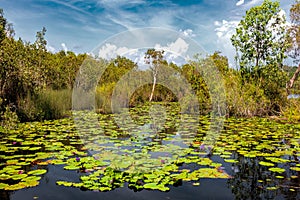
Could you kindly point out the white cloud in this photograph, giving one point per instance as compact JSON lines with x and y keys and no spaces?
{"x":224,"y":31}
{"x":225,"y":28}
{"x":253,"y":2}
{"x":51,"y":49}
{"x":175,"y":52}
{"x":282,"y":16}
{"x":64,"y":46}
{"x":110,"y":51}
{"x":71,"y":6}
{"x":217,"y":23}
{"x":119,"y":3}
{"x":178,"y":47}
{"x":240,"y":2}
{"x":187,"y":32}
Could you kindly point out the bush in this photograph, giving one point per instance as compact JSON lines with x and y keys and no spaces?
{"x":246,"y":99}
{"x":103,"y":97}
{"x":9,"y":118}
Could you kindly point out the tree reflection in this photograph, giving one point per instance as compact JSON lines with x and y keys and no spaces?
{"x":4,"y":195}
{"x":253,"y":181}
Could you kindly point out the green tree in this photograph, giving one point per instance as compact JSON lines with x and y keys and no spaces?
{"x":154,"y":58}
{"x":40,"y":41}
{"x":3,"y":24}
{"x":260,"y":39}
{"x":293,"y":41}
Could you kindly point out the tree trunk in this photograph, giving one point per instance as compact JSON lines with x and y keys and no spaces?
{"x":290,"y":83}
{"x":153,"y":87}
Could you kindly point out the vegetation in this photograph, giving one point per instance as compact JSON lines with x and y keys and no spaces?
{"x":37,"y":84}
{"x":148,"y":159}
{"x":36,"y":88}
{"x":293,"y":40}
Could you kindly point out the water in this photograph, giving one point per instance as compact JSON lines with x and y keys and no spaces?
{"x":48,"y":190}
{"x":245,"y":143}
{"x":241,"y":187}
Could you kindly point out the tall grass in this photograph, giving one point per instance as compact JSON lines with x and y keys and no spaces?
{"x":292,"y":110}
{"x":47,"y":104}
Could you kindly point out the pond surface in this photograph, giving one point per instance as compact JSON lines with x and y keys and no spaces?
{"x":158,"y":159}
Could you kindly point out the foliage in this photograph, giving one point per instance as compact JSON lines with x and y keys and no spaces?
{"x":145,"y":159}
{"x":260,"y":44}
{"x":260,"y":39}
{"x":244,"y":100}
{"x":46,"y":104}
{"x":154,"y":58}
{"x":292,"y":110}
{"x":26,"y":70}
{"x":38,"y":83}
{"x":9,"y":118}
{"x":293,"y":35}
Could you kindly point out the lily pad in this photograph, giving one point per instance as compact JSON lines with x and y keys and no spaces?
{"x":266,"y":164}
{"x":37,"y":172}
{"x":277,"y":169}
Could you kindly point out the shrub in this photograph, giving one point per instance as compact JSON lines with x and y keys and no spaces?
{"x":9,"y":118}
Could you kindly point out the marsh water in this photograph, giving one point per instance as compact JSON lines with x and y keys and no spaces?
{"x":254,"y":158}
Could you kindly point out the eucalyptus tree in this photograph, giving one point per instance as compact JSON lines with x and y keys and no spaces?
{"x":154,"y":58}
{"x":260,"y":39}
{"x":293,"y":41}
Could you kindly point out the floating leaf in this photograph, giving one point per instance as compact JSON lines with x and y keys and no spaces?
{"x":266,"y":164}
{"x":64,"y":183}
{"x":231,"y":160}
{"x":3,"y":185}
{"x":277,"y":169}
{"x":295,"y":169}
{"x":38,"y":172}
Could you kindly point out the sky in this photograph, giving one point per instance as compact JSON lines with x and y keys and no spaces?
{"x":83,"y":25}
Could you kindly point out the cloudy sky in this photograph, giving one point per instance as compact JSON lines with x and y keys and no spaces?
{"x":81,"y":25}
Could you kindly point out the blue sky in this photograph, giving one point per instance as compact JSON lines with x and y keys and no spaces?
{"x":80,"y":25}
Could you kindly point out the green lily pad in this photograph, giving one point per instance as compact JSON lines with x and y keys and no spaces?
{"x":266,"y":164}
{"x":38,"y":172}
{"x":277,"y":169}
{"x":18,"y":176}
{"x":295,"y":169}
{"x":231,"y":160}
{"x":154,"y":186}
{"x":3,"y":185}
{"x":31,"y":183}
{"x":272,"y":188}
{"x":17,"y":186}
{"x":64,"y":183}
{"x":71,"y":167}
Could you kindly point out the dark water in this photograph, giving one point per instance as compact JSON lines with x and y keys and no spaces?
{"x":243,"y":185}
{"x":48,"y":190}
{"x":250,"y":180}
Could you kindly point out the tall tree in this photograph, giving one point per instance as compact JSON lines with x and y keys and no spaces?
{"x":293,"y":40}
{"x":260,"y":38}
{"x":154,"y":58}
{"x":3,"y":24}
{"x":40,"y":41}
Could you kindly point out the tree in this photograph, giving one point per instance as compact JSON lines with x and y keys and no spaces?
{"x":154,"y":58}
{"x":40,"y":41}
{"x":3,"y":24}
{"x":293,"y":41}
{"x":260,"y":39}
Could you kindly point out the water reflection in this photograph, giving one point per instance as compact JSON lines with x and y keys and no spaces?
{"x":5,"y":195}
{"x":253,"y":181}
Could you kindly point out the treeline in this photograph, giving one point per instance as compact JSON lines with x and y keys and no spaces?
{"x":36,"y":84}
